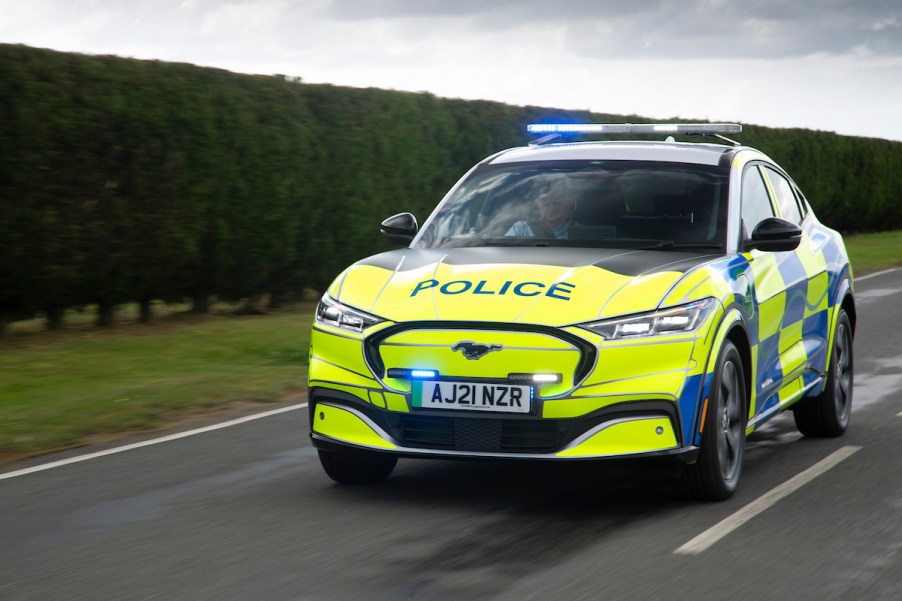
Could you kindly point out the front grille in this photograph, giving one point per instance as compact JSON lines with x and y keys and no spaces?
{"x":480,"y":434}
{"x":429,"y":433}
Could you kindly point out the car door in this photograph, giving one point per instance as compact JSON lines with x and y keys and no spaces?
{"x":804,"y":271}
{"x":769,"y":291}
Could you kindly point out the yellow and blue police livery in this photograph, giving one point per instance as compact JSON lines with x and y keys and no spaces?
{"x":586,"y":301}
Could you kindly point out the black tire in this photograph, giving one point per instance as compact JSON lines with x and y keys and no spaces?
{"x":827,"y":415}
{"x":357,"y":467}
{"x":715,"y":473}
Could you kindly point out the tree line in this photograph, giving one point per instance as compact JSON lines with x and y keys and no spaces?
{"x":132,"y":181}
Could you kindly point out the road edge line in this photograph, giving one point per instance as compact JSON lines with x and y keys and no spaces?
{"x":721,"y":529}
{"x":146,"y":443}
{"x":876,"y":273}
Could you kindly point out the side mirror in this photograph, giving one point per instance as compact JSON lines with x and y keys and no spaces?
{"x":774,"y":235}
{"x":400,"y":228}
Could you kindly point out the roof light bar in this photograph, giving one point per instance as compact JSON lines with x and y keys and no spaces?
{"x":634,"y":128}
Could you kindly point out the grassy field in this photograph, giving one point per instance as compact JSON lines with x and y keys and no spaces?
{"x":60,"y":389}
{"x":873,"y":252}
{"x":69,"y":388}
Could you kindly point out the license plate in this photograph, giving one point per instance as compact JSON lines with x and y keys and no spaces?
{"x":473,"y":396}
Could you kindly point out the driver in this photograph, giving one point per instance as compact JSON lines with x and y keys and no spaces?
{"x":555,"y":217}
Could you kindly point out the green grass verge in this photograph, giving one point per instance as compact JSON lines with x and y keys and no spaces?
{"x":59,"y":389}
{"x":873,"y":252}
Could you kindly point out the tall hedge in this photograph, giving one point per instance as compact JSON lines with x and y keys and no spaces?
{"x":128,"y":181}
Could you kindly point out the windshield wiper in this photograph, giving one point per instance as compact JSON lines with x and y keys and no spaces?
{"x":670,"y":245}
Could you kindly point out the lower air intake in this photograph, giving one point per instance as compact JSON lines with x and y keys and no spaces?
{"x":480,"y":434}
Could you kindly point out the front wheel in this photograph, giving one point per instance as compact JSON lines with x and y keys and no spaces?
{"x":357,"y":467}
{"x":715,"y":474}
{"x":827,"y":415}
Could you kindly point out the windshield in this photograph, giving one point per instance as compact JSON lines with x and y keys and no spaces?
{"x":619,"y":204}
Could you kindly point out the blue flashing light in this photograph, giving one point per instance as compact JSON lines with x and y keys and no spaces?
{"x":423,"y":373}
{"x":412,"y":374}
{"x":565,"y":128}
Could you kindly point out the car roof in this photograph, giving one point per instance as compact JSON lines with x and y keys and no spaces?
{"x":672,"y":152}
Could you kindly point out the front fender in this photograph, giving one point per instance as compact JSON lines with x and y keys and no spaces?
{"x":731,"y":317}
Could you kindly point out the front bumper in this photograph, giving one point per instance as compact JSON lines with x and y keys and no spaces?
{"x":638,"y":428}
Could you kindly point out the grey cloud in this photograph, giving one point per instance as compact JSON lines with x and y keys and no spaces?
{"x":670,"y":28}
{"x":513,"y":12}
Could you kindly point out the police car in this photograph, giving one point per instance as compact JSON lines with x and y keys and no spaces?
{"x":585,"y":301}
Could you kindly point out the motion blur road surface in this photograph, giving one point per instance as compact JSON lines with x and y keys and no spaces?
{"x":246,"y":513}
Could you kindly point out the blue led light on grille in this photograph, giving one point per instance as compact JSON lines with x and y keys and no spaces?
{"x":412,"y":374}
{"x":423,"y":373}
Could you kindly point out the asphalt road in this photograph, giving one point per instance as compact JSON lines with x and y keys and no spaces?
{"x":246,"y":513}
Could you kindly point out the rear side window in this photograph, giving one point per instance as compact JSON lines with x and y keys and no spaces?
{"x":786,"y":200}
{"x":756,"y":205}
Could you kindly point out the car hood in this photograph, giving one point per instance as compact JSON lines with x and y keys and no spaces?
{"x":550,"y":286}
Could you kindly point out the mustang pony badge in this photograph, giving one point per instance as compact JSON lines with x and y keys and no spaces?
{"x":471,"y":350}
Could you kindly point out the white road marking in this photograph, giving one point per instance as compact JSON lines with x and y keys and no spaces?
{"x":147,"y":443}
{"x":899,"y":414}
{"x":874,"y":275}
{"x":710,"y":536}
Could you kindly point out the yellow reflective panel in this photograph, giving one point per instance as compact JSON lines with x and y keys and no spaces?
{"x":791,"y":391}
{"x":399,"y":299}
{"x":362,"y":285}
{"x":376,"y":398}
{"x":396,"y":402}
{"x":653,"y":385}
{"x":336,"y":284}
{"x":770,"y":316}
{"x":689,"y":284}
{"x":630,"y":359}
{"x":817,"y":294}
{"x":339,"y":348}
{"x":731,"y":317}
{"x":328,"y":372}
{"x":627,"y":437}
{"x":811,"y":257}
{"x":591,"y":289}
{"x":792,"y":349}
{"x":341,"y":424}
{"x":701,"y":283}
{"x":640,"y":294}
{"x":790,"y":335}
{"x":768,"y":281}
{"x":573,"y":407}
{"x":753,"y":377}
{"x":546,"y":294}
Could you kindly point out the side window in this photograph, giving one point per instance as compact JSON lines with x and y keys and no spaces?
{"x":803,"y":202}
{"x":789,"y":208}
{"x":756,"y":205}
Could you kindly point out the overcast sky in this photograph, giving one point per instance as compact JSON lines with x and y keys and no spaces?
{"x":832,"y":65}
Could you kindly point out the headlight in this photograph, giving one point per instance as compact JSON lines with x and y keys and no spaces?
{"x":334,"y":313}
{"x":676,"y":320}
